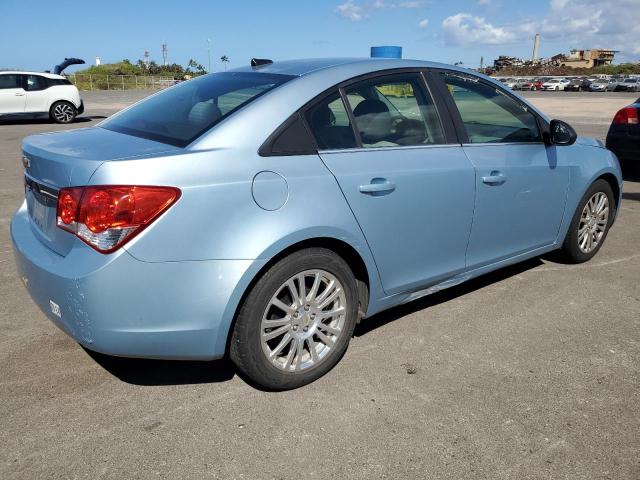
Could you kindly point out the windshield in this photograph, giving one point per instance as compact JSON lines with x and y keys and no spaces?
{"x":181,"y":114}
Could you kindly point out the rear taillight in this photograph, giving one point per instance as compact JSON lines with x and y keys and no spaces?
{"x":106,"y":217}
{"x":626,"y":116}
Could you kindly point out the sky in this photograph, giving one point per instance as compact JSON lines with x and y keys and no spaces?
{"x":40,"y":36}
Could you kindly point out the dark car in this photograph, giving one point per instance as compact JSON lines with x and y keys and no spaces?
{"x":628,"y":85}
{"x":578,"y":85}
{"x":623,"y":138}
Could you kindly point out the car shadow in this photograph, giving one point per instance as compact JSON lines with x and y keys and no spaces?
{"x":42,"y":121}
{"x":144,"y":372}
{"x":388,"y":316}
{"x":631,"y":196}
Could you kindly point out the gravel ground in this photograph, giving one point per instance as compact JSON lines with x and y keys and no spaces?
{"x":530,"y":372}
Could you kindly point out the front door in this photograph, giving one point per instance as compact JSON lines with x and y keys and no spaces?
{"x":12,"y":95}
{"x":411,"y":193}
{"x":520,"y":188}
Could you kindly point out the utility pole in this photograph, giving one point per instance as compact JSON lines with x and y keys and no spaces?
{"x":146,"y":59}
{"x":209,"y":54}
{"x":164,"y":53}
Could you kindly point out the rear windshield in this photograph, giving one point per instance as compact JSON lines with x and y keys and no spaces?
{"x":181,"y":114}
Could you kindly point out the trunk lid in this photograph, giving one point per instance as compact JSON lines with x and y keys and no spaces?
{"x":64,"y":159}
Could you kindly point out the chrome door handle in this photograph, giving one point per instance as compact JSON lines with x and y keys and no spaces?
{"x":495,"y":178}
{"x":378,"y":185}
{"x":18,"y":94}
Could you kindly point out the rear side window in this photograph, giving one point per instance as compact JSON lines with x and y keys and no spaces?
{"x":329,"y":122}
{"x":490,"y":116}
{"x":35,"y":82}
{"x":10,"y":80}
{"x":394,"y":111}
{"x":181,"y":114}
{"x":57,"y":81}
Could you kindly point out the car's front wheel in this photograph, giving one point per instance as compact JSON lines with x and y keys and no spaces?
{"x":297,"y":320}
{"x":63,"y":112}
{"x":590,"y":223}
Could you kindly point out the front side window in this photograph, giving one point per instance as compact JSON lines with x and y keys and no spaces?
{"x":394,"y":111}
{"x":489,"y":115}
{"x":35,"y":82}
{"x":10,"y":80}
{"x":329,"y":122}
{"x":181,"y":114}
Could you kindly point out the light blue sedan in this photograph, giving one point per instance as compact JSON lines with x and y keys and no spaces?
{"x":263,"y":212}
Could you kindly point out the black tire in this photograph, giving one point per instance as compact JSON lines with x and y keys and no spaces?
{"x":570,"y":248}
{"x":63,"y":112}
{"x":246,"y":348}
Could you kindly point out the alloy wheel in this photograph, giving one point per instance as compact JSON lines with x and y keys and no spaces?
{"x":593,"y":222}
{"x":63,"y":113}
{"x":303,"y":320}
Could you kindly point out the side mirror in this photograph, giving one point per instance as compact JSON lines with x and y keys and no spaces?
{"x":561,"y":133}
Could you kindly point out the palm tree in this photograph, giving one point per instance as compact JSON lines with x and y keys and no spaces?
{"x":224,"y":59}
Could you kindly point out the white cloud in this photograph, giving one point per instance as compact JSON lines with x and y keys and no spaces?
{"x":467,"y":29}
{"x":356,"y":12}
{"x":424,"y":23}
{"x":484,"y":2}
{"x":576,"y":23}
{"x":351,"y":11}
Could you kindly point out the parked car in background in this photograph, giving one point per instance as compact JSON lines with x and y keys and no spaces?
{"x":535,"y":84}
{"x":32,"y":94}
{"x":556,"y":84}
{"x":512,"y":83}
{"x":317,"y":214}
{"x":628,"y":85}
{"x":578,"y":85}
{"x":603,"y":85}
{"x":623,"y":137}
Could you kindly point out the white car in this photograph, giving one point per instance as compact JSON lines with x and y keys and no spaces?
{"x":555,"y":84}
{"x":38,"y":94}
{"x":510,"y":82}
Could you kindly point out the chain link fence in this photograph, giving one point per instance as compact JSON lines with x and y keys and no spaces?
{"x":121,"y":82}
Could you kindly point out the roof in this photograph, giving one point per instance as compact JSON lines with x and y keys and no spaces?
{"x":307,"y":66}
{"x":44,"y":74}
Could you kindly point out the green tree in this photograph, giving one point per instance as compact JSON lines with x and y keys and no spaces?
{"x":225,"y":60}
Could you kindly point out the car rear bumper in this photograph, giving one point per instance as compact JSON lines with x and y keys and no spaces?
{"x":118,"y":305}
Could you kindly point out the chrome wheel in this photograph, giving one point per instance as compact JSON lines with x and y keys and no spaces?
{"x":303,"y":320}
{"x":593,"y":222}
{"x":63,"y":113}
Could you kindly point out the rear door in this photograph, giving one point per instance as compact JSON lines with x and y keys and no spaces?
{"x":36,"y":87}
{"x":520,"y":186}
{"x":411,"y":191}
{"x":12,"y":95}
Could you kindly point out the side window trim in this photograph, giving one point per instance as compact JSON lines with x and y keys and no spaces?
{"x":424,"y":91}
{"x":441,"y":104}
{"x":450,"y":140}
{"x":352,"y":118}
{"x":267,"y":149}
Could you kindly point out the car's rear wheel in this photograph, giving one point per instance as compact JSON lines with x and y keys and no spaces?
{"x":297,"y":320}
{"x":590,"y":223}
{"x":63,"y":112}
